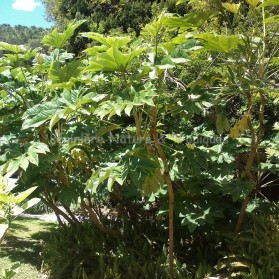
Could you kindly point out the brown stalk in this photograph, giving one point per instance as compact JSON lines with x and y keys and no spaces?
{"x":255,"y":141}
{"x":86,"y":209}
{"x":166,"y":175}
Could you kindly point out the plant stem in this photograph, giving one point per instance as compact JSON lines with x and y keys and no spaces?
{"x":166,"y":175}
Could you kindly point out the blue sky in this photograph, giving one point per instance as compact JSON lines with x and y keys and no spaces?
{"x":23,"y":12}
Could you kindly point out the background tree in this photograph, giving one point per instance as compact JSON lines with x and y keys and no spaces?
{"x":22,"y":35}
{"x":106,"y":16}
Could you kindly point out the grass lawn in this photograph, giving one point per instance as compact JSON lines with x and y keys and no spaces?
{"x":23,"y":244}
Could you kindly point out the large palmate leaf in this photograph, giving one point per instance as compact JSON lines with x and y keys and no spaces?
{"x":137,"y":98}
{"x":58,"y":40}
{"x":59,"y":108}
{"x":269,"y":3}
{"x":107,"y":41}
{"x":113,"y":60}
{"x":154,"y":28}
{"x":39,"y":114}
{"x":73,"y":101}
{"x":59,"y":73}
{"x":111,"y":173}
{"x":23,"y":161}
{"x":220,"y":43}
{"x":237,"y":189}
{"x":192,"y":20}
{"x":16,"y":49}
{"x":144,"y":170}
{"x":197,"y":215}
{"x":153,"y":182}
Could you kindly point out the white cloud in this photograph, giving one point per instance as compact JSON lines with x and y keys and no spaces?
{"x":26,"y":5}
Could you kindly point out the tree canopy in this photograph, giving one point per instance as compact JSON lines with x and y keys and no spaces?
{"x":22,"y":35}
{"x":166,"y":144}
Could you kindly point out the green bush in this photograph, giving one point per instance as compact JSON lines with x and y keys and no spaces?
{"x":254,"y":253}
{"x":84,"y":252}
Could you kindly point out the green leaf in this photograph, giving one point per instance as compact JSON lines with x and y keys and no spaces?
{"x":144,"y":170}
{"x":128,"y":108}
{"x":11,"y":166}
{"x":273,"y":19}
{"x":93,"y":51}
{"x":4,"y":198}
{"x":59,"y":73}
{"x":38,"y":147}
{"x":23,"y":162}
{"x":17,"y":210}
{"x":33,"y":158}
{"x":16,"y":49}
{"x":154,"y":28}
{"x":113,"y":60}
{"x":268,"y":3}
{"x":107,"y":129}
{"x":56,"y":118}
{"x":222,"y":123}
{"x":184,"y":1}
{"x":23,"y":195}
{"x":107,"y":41}
{"x":197,"y":217}
{"x":39,"y":114}
{"x":220,"y":43}
{"x":192,"y":20}
{"x":58,"y":40}
{"x":237,"y":189}
{"x":113,"y":173}
{"x":3,"y":230}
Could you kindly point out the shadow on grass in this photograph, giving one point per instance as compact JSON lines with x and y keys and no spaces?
{"x":25,"y":244}
{"x":22,"y":250}
{"x":15,"y":227}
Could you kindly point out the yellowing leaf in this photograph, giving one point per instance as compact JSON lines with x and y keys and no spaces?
{"x":175,"y":138}
{"x":253,"y":3}
{"x":271,"y":151}
{"x":240,"y":126}
{"x":233,"y":8}
{"x":152,"y":182}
